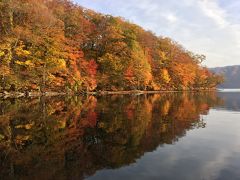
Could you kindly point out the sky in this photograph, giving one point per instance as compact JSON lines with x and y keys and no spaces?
{"x":209,"y":27}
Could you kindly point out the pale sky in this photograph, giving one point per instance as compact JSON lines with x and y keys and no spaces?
{"x":209,"y":27}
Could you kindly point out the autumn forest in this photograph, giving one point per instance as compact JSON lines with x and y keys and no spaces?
{"x":56,"y":45}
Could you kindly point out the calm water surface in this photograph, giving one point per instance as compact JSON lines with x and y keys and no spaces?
{"x":168,"y":136}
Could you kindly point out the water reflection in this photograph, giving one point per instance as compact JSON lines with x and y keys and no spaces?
{"x":73,"y":137}
{"x":231,"y":100}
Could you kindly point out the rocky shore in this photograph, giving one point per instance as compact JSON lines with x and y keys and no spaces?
{"x":6,"y":94}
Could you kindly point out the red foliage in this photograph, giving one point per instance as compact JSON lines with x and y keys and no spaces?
{"x":92,"y":68}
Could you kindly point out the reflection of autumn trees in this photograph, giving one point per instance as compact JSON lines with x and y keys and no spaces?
{"x":75,"y":136}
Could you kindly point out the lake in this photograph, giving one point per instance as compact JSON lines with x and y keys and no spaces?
{"x":159,"y":136}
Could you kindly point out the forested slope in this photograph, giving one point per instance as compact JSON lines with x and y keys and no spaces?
{"x":55,"y":45}
{"x":231,"y":76}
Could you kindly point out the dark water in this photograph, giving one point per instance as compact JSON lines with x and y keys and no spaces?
{"x":168,"y":136}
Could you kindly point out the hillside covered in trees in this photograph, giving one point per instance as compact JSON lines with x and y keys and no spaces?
{"x":55,"y":45}
{"x":231,"y":76}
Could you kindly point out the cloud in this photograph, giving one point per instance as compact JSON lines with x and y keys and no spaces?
{"x":212,"y":10}
{"x":210,"y":27}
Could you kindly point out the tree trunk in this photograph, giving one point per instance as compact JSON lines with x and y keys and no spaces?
{"x":43,"y":81}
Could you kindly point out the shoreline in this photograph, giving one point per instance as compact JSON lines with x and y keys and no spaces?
{"x":7,"y":94}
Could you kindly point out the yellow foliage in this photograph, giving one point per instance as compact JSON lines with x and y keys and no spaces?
{"x":111,"y":63}
{"x":165,"y":76}
{"x":26,"y":63}
{"x":20,"y":51}
{"x":27,"y":126}
{"x":1,"y":53}
{"x":61,"y":63}
{"x":163,"y":55}
{"x":62,"y":124}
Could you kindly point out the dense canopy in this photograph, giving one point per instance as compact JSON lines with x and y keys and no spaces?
{"x":55,"y":45}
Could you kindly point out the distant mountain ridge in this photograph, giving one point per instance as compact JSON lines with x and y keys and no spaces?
{"x":231,"y":75}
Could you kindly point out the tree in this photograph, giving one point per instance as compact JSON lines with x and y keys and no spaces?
{"x":57,"y":45}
